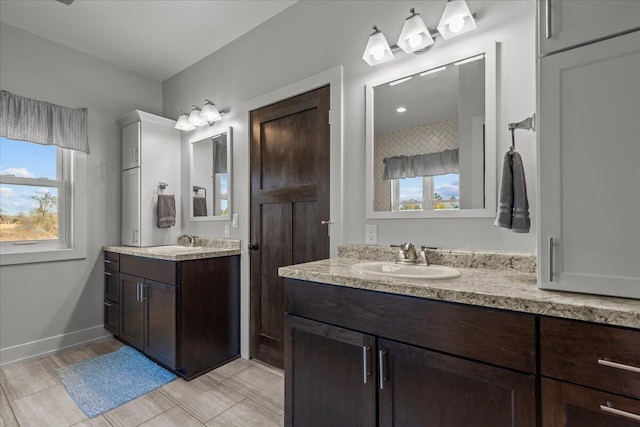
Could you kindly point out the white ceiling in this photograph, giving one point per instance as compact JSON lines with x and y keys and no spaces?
{"x":156,"y":38}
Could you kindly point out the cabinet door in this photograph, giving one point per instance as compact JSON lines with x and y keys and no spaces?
{"x":589,"y":146}
{"x":131,"y":207}
{"x":568,"y":405}
{"x":566,"y":23}
{"x":160,"y":322}
{"x":131,"y":138}
{"x":329,"y":375}
{"x":131,"y":310}
{"x":418,"y":387}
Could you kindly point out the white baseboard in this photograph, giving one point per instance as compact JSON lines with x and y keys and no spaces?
{"x":50,"y":345}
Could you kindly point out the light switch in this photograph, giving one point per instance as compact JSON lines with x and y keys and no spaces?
{"x":227,"y":231}
{"x":235,"y":220}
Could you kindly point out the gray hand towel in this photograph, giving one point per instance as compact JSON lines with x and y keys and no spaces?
{"x":166,"y":210}
{"x":199,"y":206}
{"x":513,"y":204}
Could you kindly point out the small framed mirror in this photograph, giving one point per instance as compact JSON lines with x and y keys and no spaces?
{"x":431,"y":139}
{"x":210,"y":180}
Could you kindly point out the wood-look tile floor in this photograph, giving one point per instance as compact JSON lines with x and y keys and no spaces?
{"x":238,"y":394}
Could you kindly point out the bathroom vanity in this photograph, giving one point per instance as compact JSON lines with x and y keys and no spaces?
{"x":180,"y":306}
{"x":486,"y":349}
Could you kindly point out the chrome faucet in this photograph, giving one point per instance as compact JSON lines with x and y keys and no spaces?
{"x":190,"y":239}
{"x":408,"y":253}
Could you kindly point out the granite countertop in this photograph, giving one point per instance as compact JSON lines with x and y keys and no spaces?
{"x":509,"y":289}
{"x":202,"y":248}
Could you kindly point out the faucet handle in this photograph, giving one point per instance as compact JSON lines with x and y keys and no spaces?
{"x":432,"y":248}
{"x":405,"y":246}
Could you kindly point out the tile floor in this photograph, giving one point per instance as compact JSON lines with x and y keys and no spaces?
{"x":241,"y":393}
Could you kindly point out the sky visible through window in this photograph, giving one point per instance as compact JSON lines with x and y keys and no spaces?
{"x":26,"y":160}
{"x":446,"y":186}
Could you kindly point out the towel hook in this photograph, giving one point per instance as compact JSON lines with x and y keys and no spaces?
{"x":528,"y":124}
{"x":162,"y":185}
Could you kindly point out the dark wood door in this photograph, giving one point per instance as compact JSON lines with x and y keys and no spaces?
{"x":568,"y":405}
{"x":131,"y":310}
{"x":289,"y":201}
{"x":330,"y":378}
{"x":418,"y":387}
{"x":160,"y":322}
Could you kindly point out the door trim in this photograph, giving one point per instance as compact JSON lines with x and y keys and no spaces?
{"x":242,"y":184}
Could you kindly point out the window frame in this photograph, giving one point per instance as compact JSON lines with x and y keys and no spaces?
{"x":72,"y":223}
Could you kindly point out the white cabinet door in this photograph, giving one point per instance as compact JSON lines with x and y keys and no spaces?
{"x":589,"y":168}
{"x":131,"y":146}
{"x":131,"y":207}
{"x":566,"y":23}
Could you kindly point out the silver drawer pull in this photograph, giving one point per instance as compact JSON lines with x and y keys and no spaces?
{"x":106,"y":261}
{"x":381,"y":360}
{"x":610,"y":364}
{"x":109,"y":303}
{"x":106,"y":273}
{"x":609,"y":408}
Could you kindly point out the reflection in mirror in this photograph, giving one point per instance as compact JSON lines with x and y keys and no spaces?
{"x":210,"y":177}
{"x":429,"y":139}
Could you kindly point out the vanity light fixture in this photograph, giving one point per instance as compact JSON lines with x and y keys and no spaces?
{"x":415,"y":37}
{"x":208,"y":115}
{"x":456,"y":19}
{"x":183,"y":122}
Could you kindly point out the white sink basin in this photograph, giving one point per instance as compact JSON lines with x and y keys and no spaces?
{"x":171,"y":249}
{"x":404,"y":271}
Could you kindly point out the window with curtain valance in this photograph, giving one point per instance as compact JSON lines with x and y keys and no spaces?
{"x":432,"y":164}
{"x":26,"y":119}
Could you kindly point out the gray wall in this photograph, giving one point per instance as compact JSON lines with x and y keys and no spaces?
{"x":314,"y":36}
{"x":47,"y":305}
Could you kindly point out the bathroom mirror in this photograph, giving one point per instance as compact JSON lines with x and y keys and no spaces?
{"x":210,"y":183}
{"x":431,"y":135}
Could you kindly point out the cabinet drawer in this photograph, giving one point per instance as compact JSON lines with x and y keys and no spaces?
{"x":494,"y":336}
{"x":569,"y":405}
{"x":154,"y":269}
{"x":582,"y":353}
{"x":112,"y":286}
{"x":111,"y":261}
{"x":112,"y":317}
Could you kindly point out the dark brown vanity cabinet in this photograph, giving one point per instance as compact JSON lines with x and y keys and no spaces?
{"x":112,"y":293}
{"x":355,"y":357}
{"x":185,"y":314}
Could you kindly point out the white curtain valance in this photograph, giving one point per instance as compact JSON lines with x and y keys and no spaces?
{"x":26,"y":119}
{"x":432,"y":164}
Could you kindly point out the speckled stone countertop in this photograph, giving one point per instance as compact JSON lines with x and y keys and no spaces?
{"x":202,"y":248}
{"x":510,"y":289}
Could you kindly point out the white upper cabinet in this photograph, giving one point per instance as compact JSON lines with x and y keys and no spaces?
{"x":131,"y":146}
{"x":567,"y":23}
{"x":589,"y":168}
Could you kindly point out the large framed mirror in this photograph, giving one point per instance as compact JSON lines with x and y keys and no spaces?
{"x":210,"y":177}
{"x":431,"y":139}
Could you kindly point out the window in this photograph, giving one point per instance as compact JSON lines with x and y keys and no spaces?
{"x":222,"y":195}
{"x":35,"y":201}
{"x":436,"y":193}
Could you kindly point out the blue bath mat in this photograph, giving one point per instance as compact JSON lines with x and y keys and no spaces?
{"x":100,"y":384}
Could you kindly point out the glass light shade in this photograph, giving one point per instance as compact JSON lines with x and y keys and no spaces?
{"x":183,"y":123}
{"x":377,"y":50}
{"x":456,"y":20}
{"x":194,"y":117}
{"x":210,"y":112}
{"x":415,"y":35}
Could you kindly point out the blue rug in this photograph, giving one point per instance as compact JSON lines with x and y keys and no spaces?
{"x":100,"y":384}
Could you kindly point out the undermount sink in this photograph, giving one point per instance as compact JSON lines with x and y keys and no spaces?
{"x":173,"y":249}
{"x":406,"y":271}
